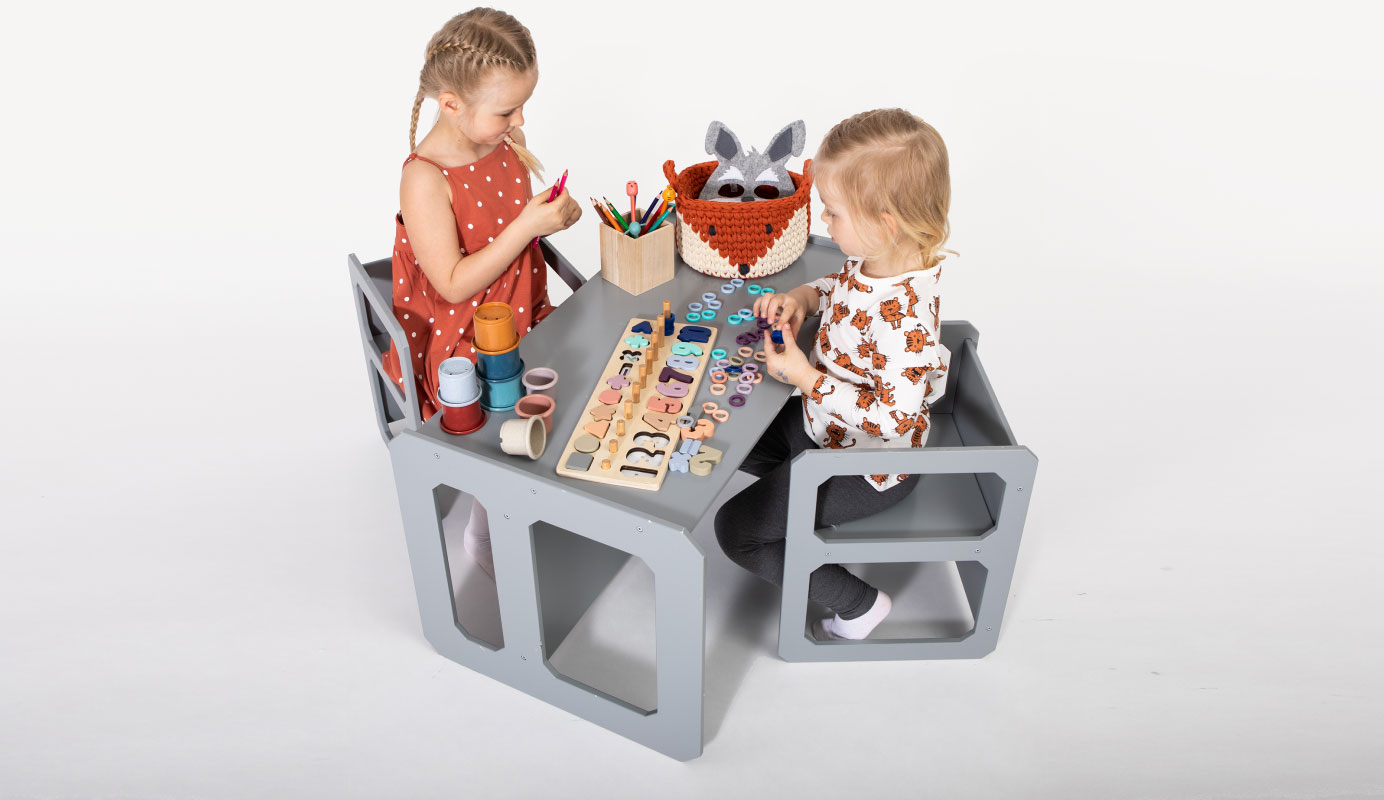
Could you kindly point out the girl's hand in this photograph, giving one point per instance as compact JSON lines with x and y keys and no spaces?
{"x":786,"y":305}
{"x":791,"y":366}
{"x":543,"y":218}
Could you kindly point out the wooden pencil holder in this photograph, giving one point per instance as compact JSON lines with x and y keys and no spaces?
{"x":637,"y":265}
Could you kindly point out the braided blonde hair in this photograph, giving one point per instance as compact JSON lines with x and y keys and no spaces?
{"x":890,"y":161}
{"x":464,"y":52}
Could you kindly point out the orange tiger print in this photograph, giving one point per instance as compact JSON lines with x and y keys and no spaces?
{"x":879,"y":479}
{"x":916,"y":423}
{"x":861,"y":320}
{"x":872,"y":428}
{"x":936,"y":308}
{"x":817,"y":395}
{"x":856,"y":285}
{"x":891,"y":311}
{"x":864,"y":397}
{"x":843,"y":360}
{"x":868,"y":349}
{"x":915,"y":374}
{"x":907,"y":284}
{"x":839,"y":312}
{"x":915,"y":341}
{"x":835,"y":436}
{"x":883,"y":390}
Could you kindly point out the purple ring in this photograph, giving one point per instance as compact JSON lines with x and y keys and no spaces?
{"x":744,"y":388}
{"x":737,"y":400}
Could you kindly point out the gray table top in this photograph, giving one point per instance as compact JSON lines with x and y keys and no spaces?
{"x":577,"y":339}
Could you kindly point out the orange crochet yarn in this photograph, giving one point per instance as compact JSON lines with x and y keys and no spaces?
{"x":739,"y":240}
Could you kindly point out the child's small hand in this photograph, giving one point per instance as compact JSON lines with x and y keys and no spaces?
{"x":786,"y":305}
{"x":543,"y":218}
{"x":790,"y":366}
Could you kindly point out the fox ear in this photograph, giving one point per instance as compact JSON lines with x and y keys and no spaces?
{"x":720,"y":142}
{"x":789,"y":141}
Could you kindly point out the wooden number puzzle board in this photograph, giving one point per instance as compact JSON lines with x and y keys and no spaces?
{"x":636,"y":426}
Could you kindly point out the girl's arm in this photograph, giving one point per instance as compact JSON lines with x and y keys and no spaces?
{"x":426,"y":204}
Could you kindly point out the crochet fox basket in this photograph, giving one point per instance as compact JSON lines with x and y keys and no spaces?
{"x":739,"y":239}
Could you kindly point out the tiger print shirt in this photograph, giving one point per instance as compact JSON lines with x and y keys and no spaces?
{"x":881,"y":360}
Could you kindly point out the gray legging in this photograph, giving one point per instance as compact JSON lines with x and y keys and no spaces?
{"x":751,"y":526}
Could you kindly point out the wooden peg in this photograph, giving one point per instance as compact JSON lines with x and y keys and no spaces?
{"x":634,"y":392}
{"x":614,"y":445}
{"x":605,"y":463}
{"x":620,"y":427}
{"x":629,"y":410}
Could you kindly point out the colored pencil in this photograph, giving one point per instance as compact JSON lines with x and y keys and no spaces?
{"x":664,"y":216}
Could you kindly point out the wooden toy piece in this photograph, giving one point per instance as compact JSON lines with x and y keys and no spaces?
{"x":702,"y":430}
{"x":605,"y":463}
{"x":659,"y":420}
{"x":667,"y":307}
{"x":644,"y":327}
{"x":579,"y":461}
{"x":670,"y":359}
{"x":704,"y":460}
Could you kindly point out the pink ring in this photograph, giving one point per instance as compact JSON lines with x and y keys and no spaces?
{"x":744,"y":388}
{"x":745,"y":352}
{"x":750,"y":368}
{"x":717,"y":389}
{"x":758,"y":376}
{"x":760,"y":357}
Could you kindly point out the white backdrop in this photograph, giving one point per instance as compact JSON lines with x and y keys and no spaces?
{"x":1168,"y":221}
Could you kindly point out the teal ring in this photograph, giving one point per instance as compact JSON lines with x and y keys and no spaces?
{"x":718,"y":353}
{"x":709,"y":314}
{"x":753,"y":288}
{"x":766,"y":290}
{"x":694,"y":317}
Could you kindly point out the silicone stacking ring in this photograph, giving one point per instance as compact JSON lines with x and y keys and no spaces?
{"x":722,"y":363}
{"x":734,"y":369}
{"x":760,"y":357}
{"x":718,"y":376}
{"x":694,"y":317}
{"x":758,"y":376}
{"x":736,"y":361}
{"x":694,"y":306}
{"x":763,"y":324}
{"x":751,"y":368}
{"x":713,"y":304}
{"x":687,"y":422}
{"x":708,"y":297}
{"x":717,"y":389}
{"x":753,"y":288}
{"x":747,"y":313}
{"x":737,"y":282}
{"x":708,"y":314}
{"x":737,"y":400}
{"x":744,"y":388}
{"x":745,"y":352}
{"x":766,"y":290}
{"x":716,"y":413}
{"x":734,"y":319}
{"x":718,"y":353}
{"x":747,"y":377}
{"x":726,"y":288}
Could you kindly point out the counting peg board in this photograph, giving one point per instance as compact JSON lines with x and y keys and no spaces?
{"x":632,"y":462}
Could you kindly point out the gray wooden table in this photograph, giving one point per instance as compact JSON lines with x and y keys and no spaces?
{"x":544,"y":581}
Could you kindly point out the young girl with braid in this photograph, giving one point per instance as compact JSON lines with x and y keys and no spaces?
{"x":467,"y":211}
{"x":876,"y":364}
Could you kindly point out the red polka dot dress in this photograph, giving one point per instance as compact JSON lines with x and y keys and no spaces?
{"x":486,"y":196}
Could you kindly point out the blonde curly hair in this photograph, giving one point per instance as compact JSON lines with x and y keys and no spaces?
{"x":890,"y":161}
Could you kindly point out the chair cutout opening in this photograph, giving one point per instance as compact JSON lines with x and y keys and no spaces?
{"x":596,"y":605}
{"x":932,"y":600}
{"x":475,"y":599}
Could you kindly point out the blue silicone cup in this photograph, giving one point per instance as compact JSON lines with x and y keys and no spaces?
{"x":498,"y":366}
{"x":502,"y":395}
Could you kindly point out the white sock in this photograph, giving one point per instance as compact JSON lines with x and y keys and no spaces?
{"x":858,"y":628}
{"x":476,"y":539}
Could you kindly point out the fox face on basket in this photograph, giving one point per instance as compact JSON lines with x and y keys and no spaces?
{"x":744,"y":215}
